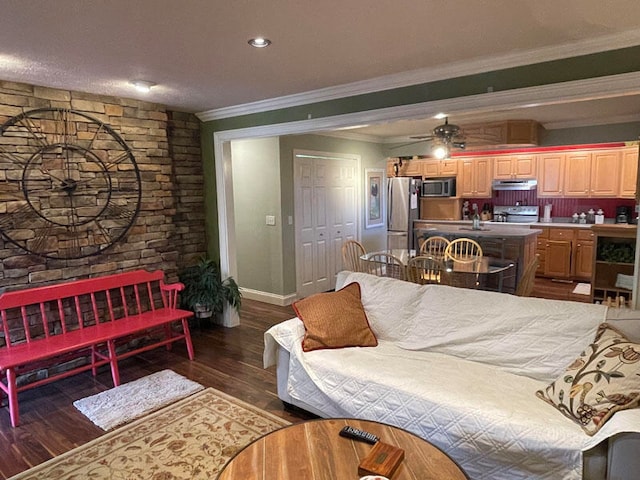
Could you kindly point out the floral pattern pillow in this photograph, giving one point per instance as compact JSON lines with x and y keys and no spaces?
{"x":605,"y":378}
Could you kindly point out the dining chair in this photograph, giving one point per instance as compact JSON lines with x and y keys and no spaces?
{"x":425,"y":269}
{"x":386,"y":265}
{"x":434,"y":246}
{"x":528,"y":277}
{"x":463,"y":250}
{"x":352,"y":250}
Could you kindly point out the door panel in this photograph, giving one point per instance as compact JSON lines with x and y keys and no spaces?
{"x":326,"y":192}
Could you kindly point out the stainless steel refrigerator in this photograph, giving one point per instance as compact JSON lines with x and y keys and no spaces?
{"x":403,"y":207}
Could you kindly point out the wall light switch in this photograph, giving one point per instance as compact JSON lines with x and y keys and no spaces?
{"x":271,"y":220}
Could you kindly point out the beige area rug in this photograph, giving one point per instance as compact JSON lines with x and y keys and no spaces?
{"x":126,"y":402}
{"x":190,"y":439}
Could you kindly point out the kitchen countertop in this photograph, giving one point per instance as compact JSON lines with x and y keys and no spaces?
{"x":554,"y":224}
{"x":486,"y":229}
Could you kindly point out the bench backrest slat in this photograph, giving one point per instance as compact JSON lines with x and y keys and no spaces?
{"x":63,"y":323}
{"x":94,"y":307}
{"x":123,"y":299}
{"x":45,"y":320}
{"x":76,"y":301}
{"x":25,"y":323}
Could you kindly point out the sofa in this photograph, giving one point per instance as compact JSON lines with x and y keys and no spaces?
{"x":472,"y":372}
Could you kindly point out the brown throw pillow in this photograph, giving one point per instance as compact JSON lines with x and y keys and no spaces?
{"x":605,"y":378}
{"x":335,"y":320}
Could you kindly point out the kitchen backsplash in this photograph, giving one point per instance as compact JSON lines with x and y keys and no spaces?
{"x":562,"y":207}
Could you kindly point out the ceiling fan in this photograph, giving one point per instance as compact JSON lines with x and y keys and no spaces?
{"x":445,"y":137}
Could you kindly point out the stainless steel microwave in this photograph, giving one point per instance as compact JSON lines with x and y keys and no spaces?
{"x":439,"y":187}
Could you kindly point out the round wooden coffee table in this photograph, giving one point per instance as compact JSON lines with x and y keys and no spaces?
{"x":313,"y":450}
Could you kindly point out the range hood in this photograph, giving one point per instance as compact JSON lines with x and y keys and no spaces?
{"x":520,"y":184}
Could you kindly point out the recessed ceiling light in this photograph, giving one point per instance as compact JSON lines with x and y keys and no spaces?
{"x":143,"y":85}
{"x":259,"y":42}
{"x":440,"y":116}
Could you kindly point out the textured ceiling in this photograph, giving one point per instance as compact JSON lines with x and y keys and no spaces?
{"x":197,"y":53}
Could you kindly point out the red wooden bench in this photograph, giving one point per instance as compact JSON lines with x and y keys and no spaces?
{"x":46,"y":325}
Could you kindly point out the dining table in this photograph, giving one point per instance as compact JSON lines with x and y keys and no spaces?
{"x":484,"y":273}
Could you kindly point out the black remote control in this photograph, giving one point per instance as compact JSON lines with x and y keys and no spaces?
{"x":360,"y":435}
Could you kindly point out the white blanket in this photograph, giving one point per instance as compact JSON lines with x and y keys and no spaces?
{"x":487,"y":419}
{"x":527,"y":336}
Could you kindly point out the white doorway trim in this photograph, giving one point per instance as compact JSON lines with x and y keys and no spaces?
{"x":615,"y":85}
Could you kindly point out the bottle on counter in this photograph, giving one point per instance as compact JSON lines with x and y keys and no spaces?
{"x":583,"y":218}
{"x":574,"y":218}
{"x":476,"y":218}
{"x":599,"y":218}
{"x":591,"y":216}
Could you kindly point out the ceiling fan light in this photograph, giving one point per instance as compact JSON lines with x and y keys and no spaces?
{"x":143,"y":86}
{"x":440,"y":152}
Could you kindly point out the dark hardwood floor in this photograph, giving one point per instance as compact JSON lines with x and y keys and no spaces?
{"x":229,"y":359}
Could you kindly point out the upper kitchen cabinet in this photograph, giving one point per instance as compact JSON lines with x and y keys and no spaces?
{"x":514,"y":166}
{"x":628,"y":172}
{"x":550,"y":174}
{"x":433,"y":167}
{"x":475,"y":175}
{"x":511,"y":133}
{"x":577,"y":174}
{"x":411,"y":167}
{"x":605,"y":173}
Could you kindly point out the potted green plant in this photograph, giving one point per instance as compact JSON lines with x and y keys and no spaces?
{"x":205,"y":293}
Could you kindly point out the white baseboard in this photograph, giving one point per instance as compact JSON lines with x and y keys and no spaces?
{"x":266,"y":297}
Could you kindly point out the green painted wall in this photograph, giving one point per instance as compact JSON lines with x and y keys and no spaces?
{"x":256,"y":194}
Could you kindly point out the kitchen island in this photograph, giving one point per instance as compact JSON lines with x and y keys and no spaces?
{"x":517,"y":244}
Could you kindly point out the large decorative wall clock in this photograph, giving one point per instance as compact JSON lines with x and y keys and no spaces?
{"x":69,"y":184}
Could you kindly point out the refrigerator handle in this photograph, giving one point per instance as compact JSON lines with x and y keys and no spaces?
{"x":389,"y":203}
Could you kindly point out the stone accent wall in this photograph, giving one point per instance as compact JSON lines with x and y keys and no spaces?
{"x":168,"y":233}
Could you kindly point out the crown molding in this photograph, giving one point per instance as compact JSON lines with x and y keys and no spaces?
{"x":416,"y":77}
{"x":594,"y":88}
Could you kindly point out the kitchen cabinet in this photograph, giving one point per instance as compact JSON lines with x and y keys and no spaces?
{"x":475,"y":177}
{"x":577,"y":174}
{"x":433,"y":167}
{"x":558,"y":253}
{"x":550,"y":174}
{"x":615,"y":247}
{"x":628,"y":172}
{"x":434,"y":208}
{"x":583,"y":174}
{"x":541,"y":250}
{"x":554,"y":249}
{"x":583,"y":254}
{"x":411,"y":167}
{"x":605,"y":172}
{"x":514,"y":166}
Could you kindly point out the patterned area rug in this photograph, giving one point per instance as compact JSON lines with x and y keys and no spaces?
{"x":190,"y":439}
{"x":121,"y":404}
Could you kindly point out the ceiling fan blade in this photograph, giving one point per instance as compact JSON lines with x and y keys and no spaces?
{"x":422,"y":137}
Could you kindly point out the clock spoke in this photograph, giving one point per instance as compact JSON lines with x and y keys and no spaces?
{"x":42,"y":235}
{"x":35,"y":131}
{"x":11,"y":156}
{"x":21,"y":217}
{"x":103,"y":232}
{"x":95,"y":135}
{"x":73,"y":250}
{"x":117,"y":160}
{"x":115,"y":211}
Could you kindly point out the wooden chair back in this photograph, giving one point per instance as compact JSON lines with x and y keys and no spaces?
{"x":434,"y":246}
{"x":352,"y":250}
{"x":464,"y":250}
{"x":425,"y":269}
{"x":527,"y":279}
{"x":386,"y":265}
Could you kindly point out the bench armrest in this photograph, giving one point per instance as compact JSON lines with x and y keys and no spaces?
{"x":170,"y":294}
